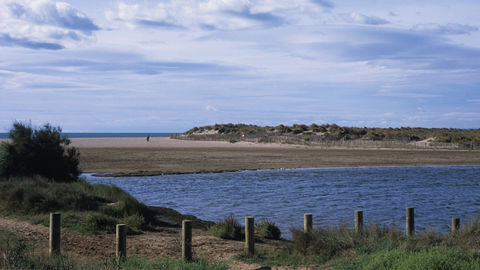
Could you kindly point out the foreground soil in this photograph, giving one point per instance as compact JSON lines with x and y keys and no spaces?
{"x":162,"y":243}
{"x":135,"y":156}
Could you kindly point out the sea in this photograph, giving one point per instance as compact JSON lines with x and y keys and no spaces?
{"x":437,"y":193}
{"x":106,"y":135}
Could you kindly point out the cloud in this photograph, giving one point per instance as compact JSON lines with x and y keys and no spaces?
{"x":355,"y":17}
{"x":210,"y":108}
{"x":161,"y":24}
{"x":43,"y":24}
{"x":263,"y":17}
{"x":395,"y":48}
{"x":118,"y":62}
{"x":8,"y":41}
{"x":216,"y":14}
{"x":446,"y":29}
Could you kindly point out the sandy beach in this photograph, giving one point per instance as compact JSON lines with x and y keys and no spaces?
{"x":136,"y":156}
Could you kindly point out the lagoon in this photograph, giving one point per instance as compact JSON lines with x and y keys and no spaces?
{"x":438,"y":193}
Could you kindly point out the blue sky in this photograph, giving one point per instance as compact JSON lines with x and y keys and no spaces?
{"x":153,"y":66}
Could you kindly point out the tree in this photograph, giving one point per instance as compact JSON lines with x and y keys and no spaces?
{"x":43,"y":152}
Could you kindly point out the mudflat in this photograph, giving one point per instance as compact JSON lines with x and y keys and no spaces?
{"x":136,"y":156}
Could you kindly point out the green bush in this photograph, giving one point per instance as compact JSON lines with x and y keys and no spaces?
{"x":135,"y":222}
{"x":229,"y":228}
{"x":100,"y":222}
{"x":43,"y":152}
{"x":268,"y":230}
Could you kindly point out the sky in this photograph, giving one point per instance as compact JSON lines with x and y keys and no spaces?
{"x":167,"y":66}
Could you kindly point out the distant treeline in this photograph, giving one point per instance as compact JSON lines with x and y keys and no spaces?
{"x":464,"y":137}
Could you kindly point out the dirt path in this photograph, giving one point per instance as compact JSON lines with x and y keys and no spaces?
{"x":162,"y":244}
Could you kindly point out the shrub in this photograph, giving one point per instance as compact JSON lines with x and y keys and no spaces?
{"x":229,"y":228}
{"x":328,"y":243}
{"x":38,"y":152}
{"x":100,"y":222}
{"x":323,"y":243}
{"x":268,"y":230}
{"x":135,"y":222}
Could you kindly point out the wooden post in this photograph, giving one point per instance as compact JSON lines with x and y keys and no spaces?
{"x":187,"y":240}
{"x":54,"y":247}
{"x":307,"y":223}
{"x":358,"y":221}
{"x":455,"y":227}
{"x":121,"y":241}
{"x":410,"y":222}
{"x":249,"y":235}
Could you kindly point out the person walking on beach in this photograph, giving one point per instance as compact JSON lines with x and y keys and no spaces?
{"x":148,"y":138}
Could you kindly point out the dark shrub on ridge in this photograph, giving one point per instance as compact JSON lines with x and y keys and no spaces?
{"x":43,"y":152}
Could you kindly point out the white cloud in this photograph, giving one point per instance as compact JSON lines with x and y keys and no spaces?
{"x":210,"y":108}
{"x":216,"y":14}
{"x":42,"y":24}
{"x":359,"y":18}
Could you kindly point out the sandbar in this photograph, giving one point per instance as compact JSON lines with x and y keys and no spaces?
{"x":136,"y":156}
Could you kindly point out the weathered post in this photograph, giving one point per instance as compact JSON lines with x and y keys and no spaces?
{"x":410,"y":222}
{"x":187,"y":240}
{"x":121,"y":241}
{"x":358,"y":221}
{"x":307,"y":223}
{"x":54,"y":247}
{"x":249,"y":235}
{"x":455,"y":227}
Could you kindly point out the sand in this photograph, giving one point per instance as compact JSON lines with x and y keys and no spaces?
{"x":136,"y":156}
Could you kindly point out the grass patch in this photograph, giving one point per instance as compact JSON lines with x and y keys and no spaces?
{"x":279,"y":257}
{"x":84,"y":207}
{"x":435,"y":258}
{"x":228,"y":228}
{"x":376,"y":247}
{"x":134,"y":263}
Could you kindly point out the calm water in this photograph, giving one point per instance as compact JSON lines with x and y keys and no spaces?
{"x":105,"y":135}
{"x":438,"y":193}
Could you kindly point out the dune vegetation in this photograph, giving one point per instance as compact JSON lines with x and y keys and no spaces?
{"x":332,"y":132}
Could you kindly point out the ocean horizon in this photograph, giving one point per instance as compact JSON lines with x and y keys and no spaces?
{"x":108,"y":134}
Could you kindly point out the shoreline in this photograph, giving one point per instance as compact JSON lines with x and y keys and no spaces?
{"x":161,"y":156}
{"x":115,"y":175}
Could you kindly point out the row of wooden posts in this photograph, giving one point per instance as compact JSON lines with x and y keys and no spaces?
{"x":121,"y":232}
